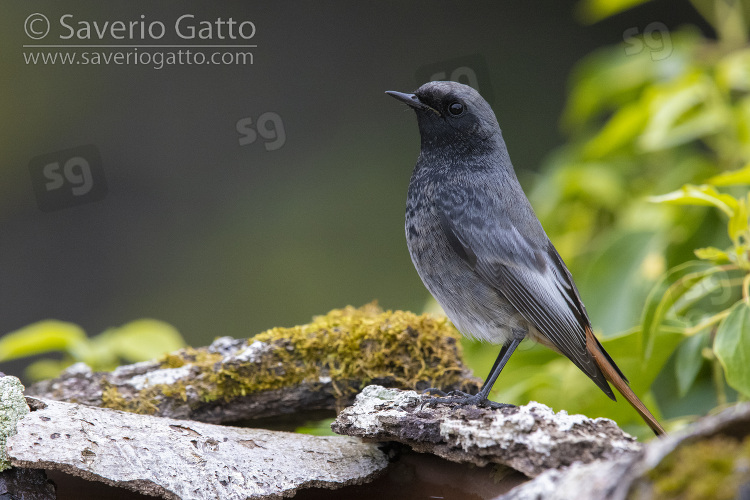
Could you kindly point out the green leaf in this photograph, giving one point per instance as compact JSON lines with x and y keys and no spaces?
{"x":43,"y":336}
{"x":614,"y":294}
{"x":592,"y":11}
{"x":712,"y":254}
{"x":683,"y":110}
{"x":144,"y":339}
{"x":591,"y":181}
{"x":621,"y":130}
{"x":603,"y":81}
{"x":666,"y":293}
{"x":46,"y":369}
{"x":732,"y":347}
{"x":689,"y":360}
{"x":738,"y":222}
{"x":733,"y":71}
{"x":317,"y":428}
{"x":101,"y":355}
{"x":699,"y":195}
{"x":732,"y":178}
{"x":640,"y":371}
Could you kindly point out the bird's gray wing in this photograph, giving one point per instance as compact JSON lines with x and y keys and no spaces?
{"x":523,"y":265}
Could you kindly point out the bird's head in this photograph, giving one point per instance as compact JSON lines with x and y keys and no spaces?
{"x":450,"y":112}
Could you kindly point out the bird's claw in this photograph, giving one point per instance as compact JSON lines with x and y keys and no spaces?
{"x":437,"y":392}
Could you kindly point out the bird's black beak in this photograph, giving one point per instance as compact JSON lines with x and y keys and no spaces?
{"x":410,"y":99}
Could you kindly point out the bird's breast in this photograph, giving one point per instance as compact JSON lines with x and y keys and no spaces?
{"x":475,"y":307}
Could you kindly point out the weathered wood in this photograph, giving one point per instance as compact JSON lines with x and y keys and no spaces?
{"x":319,"y":366}
{"x":709,"y":459}
{"x":182,"y":459}
{"x":529,"y":439}
{"x":26,"y":484}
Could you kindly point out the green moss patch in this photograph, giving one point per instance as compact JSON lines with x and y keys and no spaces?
{"x":348,"y":347}
{"x":146,"y":402}
{"x":352,"y":344}
{"x":711,"y":469}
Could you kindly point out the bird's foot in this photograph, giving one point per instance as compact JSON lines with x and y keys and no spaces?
{"x":460,"y":398}
{"x":437,"y":392}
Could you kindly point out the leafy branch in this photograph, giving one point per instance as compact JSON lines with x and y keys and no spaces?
{"x":724,"y":316}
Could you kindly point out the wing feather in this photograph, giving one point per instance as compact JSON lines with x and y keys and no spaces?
{"x":525,"y":268}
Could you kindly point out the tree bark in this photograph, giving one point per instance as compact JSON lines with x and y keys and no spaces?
{"x":181,"y":459}
{"x":318,"y":366}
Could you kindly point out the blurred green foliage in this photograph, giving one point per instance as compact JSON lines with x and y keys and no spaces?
{"x":138,"y":340}
{"x":664,"y":109}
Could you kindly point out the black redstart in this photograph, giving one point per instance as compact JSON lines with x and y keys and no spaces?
{"x":480,"y":249}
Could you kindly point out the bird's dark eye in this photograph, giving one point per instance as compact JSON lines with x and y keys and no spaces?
{"x":456,"y":108}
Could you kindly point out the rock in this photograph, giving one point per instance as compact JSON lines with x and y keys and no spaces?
{"x":17,"y":483}
{"x":580,"y":481}
{"x":12,"y":408}
{"x":183,"y":459}
{"x":709,"y":459}
{"x":529,"y":439}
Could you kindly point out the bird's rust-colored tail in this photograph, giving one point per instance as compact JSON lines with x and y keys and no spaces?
{"x":613,"y":376}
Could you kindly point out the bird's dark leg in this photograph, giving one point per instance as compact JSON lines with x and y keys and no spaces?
{"x":480,"y":399}
{"x":502,"y":359}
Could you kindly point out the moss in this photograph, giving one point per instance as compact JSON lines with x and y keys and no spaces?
{"x":189,"y":356}
{"x":13,"y":408}
{"x":172,"y":360}
{"x":174,"y":391}
{"x":360,"y":344}
{"x":111,"y":398}
{"x":146,"y":403}
{"x":350,"y":346}
{"x":711,"y":469}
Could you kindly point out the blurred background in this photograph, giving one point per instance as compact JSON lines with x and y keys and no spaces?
{"x":225,"y":199}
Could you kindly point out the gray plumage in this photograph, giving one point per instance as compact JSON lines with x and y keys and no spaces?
{"x":475,"y":240}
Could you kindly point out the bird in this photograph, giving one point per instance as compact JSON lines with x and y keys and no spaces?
{"x":481,"y":251}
